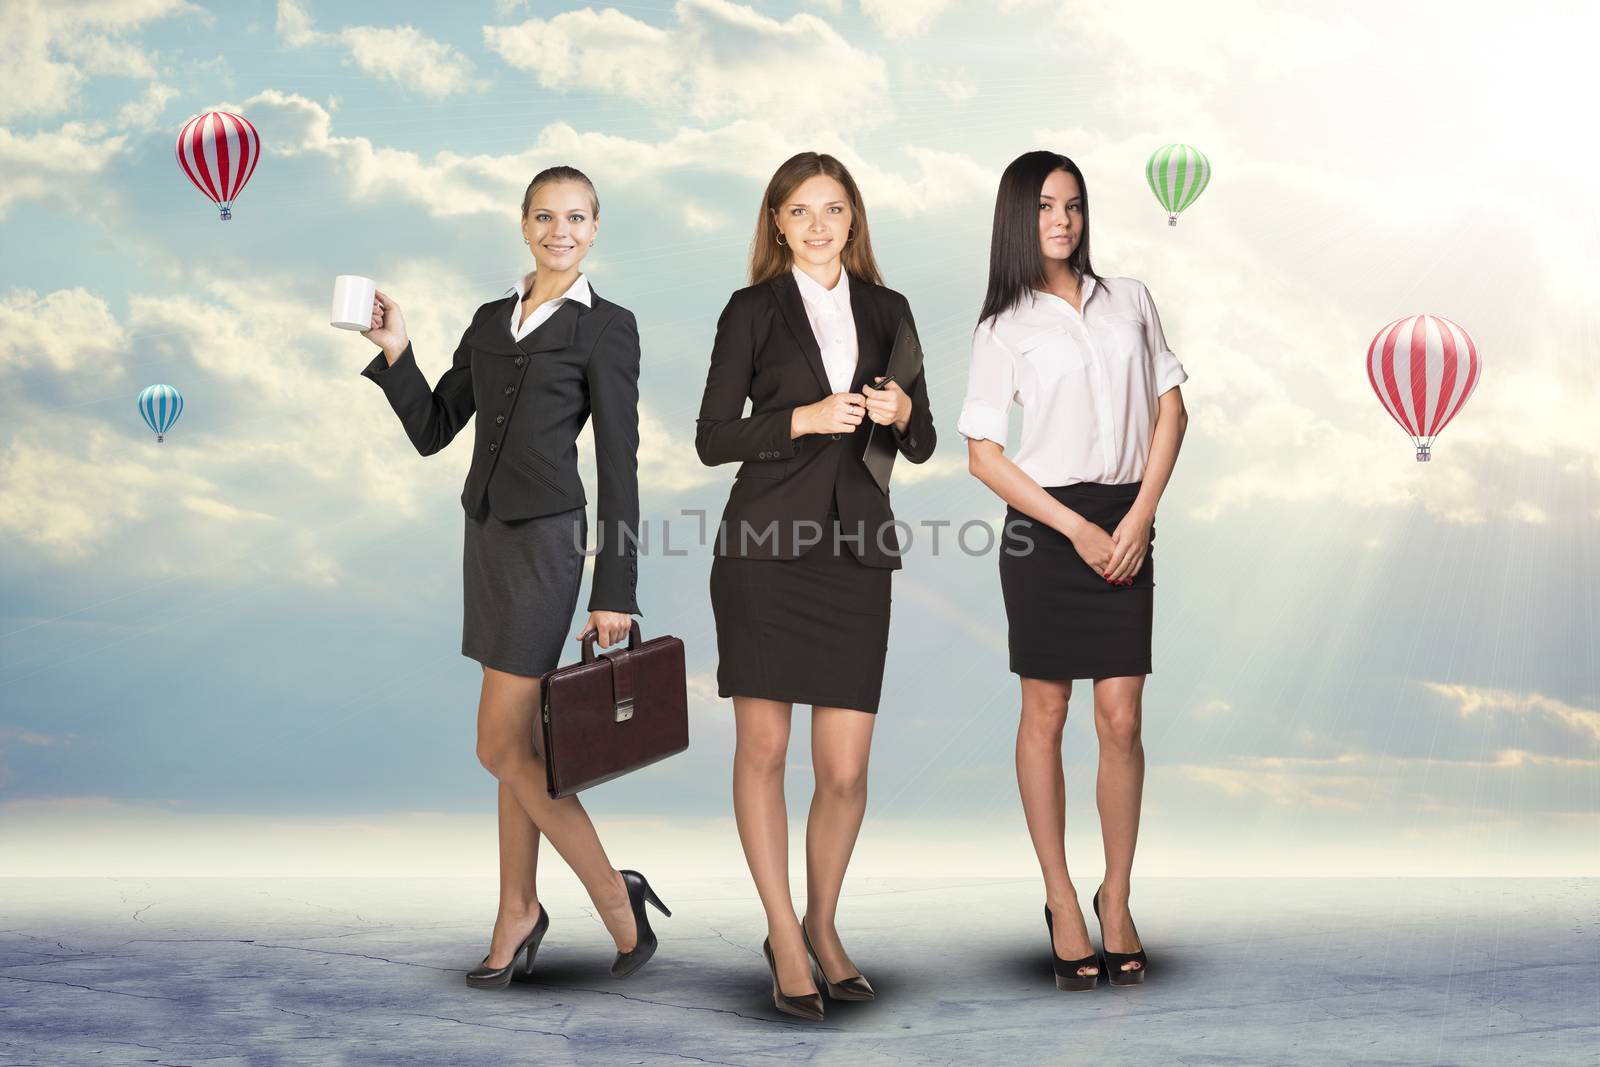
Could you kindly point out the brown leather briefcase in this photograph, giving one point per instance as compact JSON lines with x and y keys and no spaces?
{"x":610,"y":714}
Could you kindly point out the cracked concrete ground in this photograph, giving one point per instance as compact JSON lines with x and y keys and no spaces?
{"x":1359,"y":971}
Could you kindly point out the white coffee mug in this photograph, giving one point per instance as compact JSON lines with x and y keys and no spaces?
{"x":353,"y":296}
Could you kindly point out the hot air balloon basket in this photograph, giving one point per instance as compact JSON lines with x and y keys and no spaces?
{"x":227,"y":213}
{"x":1172,"y":220}
{"x":1424,"y":453}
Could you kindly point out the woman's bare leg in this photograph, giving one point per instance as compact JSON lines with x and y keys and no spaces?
{"x":1043,"y":785}
{"x":1118,"y":791}
{"x":519,"y":894}
{"x":763,"y":820}
{"x":841,"y":740}
{"x":506,"y":749}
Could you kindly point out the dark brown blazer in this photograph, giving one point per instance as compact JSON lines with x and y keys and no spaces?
{"x":532,"y":398}
{"x":765,"y":352}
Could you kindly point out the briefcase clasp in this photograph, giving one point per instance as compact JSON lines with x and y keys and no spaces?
{"x":624,"y":709}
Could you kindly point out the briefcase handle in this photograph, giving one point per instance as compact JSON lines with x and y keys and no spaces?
{"x":633,"y":641}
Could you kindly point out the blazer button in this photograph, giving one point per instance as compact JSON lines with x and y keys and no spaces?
{"x":519,"y":360}
{"x":493,"y":445}
{"x":836,"y":436}
{"x":498,"y":419}
{"x":510,"y":389}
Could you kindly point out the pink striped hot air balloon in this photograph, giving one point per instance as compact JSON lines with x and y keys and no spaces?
{"x":1423,"y":368}
{"x":219,"y":151}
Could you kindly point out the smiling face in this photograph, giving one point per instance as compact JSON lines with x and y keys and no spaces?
{"x":1060,"y":215}
{"x":560,"y":225}
{"x":815,"y":220}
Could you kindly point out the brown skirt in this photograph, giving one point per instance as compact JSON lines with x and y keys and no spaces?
{"x":812,"y":630}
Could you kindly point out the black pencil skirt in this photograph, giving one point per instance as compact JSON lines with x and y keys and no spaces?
{"x":519,"y":589}
{"x":811,"y":630}
{"x":1064,"y":619}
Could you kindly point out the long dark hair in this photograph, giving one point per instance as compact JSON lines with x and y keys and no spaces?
{"x":768,"y":258}
{"x":1015,"y":264}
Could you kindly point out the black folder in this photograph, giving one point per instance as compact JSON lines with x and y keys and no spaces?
{"x":905,"y":363}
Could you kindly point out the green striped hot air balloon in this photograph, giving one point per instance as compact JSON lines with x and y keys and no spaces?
{"x":1177,"y":173}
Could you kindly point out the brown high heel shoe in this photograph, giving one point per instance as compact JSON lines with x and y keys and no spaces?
{"x":856,"y":987}
{"x":805,"y":1006}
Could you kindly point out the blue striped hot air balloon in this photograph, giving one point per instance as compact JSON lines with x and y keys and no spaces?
{"x":160,"y":405}
{"x":1177,"y":173}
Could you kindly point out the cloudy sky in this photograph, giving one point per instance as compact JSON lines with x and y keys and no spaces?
{"x":1362,"y":664}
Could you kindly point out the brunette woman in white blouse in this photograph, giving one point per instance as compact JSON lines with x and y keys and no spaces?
{"x":1102,"y":421}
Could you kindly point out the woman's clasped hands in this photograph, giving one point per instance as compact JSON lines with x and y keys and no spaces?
{"x":843,"y":412}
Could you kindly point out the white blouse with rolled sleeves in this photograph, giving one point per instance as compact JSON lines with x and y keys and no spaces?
{"x":1087,"y":383}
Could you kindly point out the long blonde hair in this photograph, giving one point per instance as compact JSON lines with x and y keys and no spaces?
{"x":768,"y":258}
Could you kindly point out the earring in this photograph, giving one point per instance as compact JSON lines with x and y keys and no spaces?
{"x":781,"y":241}
{"x":851,"y":232}
{"x":527,"y":242}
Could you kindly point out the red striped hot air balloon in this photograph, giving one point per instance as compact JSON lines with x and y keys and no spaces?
{"x":1423,"y":368}
{"x":219,"y":151}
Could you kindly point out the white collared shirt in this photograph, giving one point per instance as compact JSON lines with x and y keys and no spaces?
{"x":578,"y":290}
{"x":1087,"y":382}
{"x":833,"y":324}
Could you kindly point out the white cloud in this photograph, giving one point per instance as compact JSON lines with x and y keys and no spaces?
{"x":144,"y":110}
{"x":1473,"y":700}
{"x":1273,"y":285}
{"x":1358,"y":781}
{"x":239,"y":477}
{"x":1348,"y":791}
{"x":717,"y":62}
{"x":448,"y":184}
{"x":1528,"y":512}
{"x":904,"y":18}
{"x":67,"y":330}
{"x":76,"y":485}
{"x":24,"y":736}
{"x":401,"y":54}
{"x":52,"y":163}
{"x":939,"y":179}
{"x":48,"y":51}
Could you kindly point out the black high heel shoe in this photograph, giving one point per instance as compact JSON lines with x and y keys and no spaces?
{"x":485,"y":977}
{"x":805,"y":1006}
{"x":1114,"y":960}
{"x":644,"y":945}
{"x":856,"y":987}
{"x":1067,"y":977}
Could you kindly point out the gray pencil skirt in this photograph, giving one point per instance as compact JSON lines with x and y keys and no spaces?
{"x":520,"y":584}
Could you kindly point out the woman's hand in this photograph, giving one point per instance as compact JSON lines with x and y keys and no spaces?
{"x":1094,"y":546}
{"x":891,"y":404}
{"x":838,"y":413}
{"x":388,"y":330}
{"x":1119,"y":555}
{"x":1131,"y":541}
{"x":611,"y":626}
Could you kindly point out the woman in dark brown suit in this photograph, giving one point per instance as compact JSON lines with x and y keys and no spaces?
{"x":801,"y":581}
